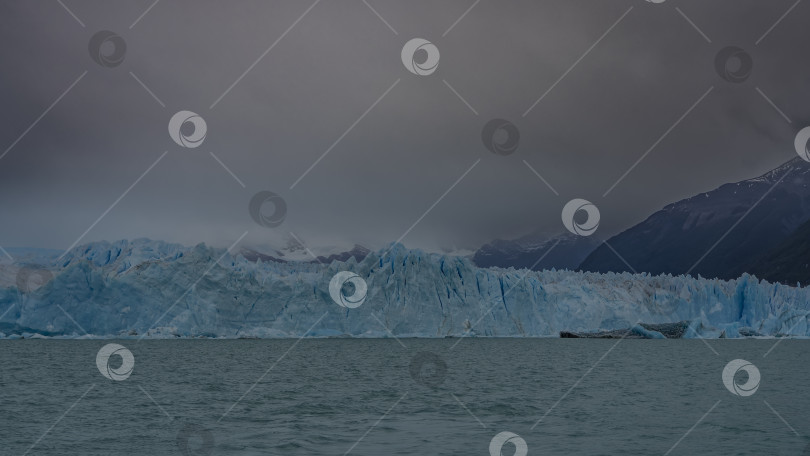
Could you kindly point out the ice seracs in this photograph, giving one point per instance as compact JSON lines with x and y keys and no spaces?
{"x":124,"y":288}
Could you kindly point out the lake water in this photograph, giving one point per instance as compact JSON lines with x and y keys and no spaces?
{"x":330,"y":397}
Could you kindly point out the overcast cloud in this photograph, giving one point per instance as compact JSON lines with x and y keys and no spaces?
{"x":415,"y":143}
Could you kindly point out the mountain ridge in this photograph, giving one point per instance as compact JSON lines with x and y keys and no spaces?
{"x":536,"y":251}
{"x":719,"y":233}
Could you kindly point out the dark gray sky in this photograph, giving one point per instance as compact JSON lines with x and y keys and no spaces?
{"x":382,"y":176}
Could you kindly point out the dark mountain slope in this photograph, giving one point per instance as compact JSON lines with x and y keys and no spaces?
{"x":674,"y":239}
{"x":788,"y":262}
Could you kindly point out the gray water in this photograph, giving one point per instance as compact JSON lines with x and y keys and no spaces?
{"x":325,"y":397}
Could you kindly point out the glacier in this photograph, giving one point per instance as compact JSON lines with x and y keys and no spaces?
{"x":145,"y":288}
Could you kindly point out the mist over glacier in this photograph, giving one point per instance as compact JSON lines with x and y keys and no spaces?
{"x":156,"y":289}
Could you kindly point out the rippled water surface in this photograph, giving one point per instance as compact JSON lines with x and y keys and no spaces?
{"x":327,"y":397}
